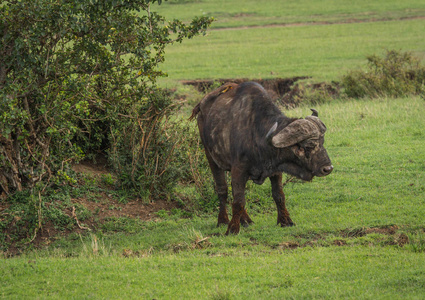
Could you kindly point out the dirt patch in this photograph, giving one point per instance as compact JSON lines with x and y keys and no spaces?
{"x":109,"y":208}
{"x":99,"y":208}
{"x":340,"y":243}
{"x":312,"y":92}
{"x":289,"y":245}
{"x":390,"y":236}
{"x":277,"y":87}
{"x":100,"y":213}
{"x":321,"y":23}
{"x":288,"y":92}
{"x":49,"y":232}
{"x":354,"y":233}
{"x":106,"y":206}
{"x":97,"y":167}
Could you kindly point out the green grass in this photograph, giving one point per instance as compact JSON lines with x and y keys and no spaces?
{"x":353,"y":273}
{"x":326,"y":46}
{"x":376,"y":146}
{"x":324,"y":52}
{"x":234,"y":13}
{"x":378,"y":182}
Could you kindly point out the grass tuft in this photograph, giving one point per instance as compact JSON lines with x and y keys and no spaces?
{"x":416,"y":242}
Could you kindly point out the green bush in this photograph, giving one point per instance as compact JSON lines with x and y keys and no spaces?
{"x":76,"y":77}
{"x":142,"y":152}
{"x":80,"y":75}
{"x":396,"y":74}
{"x":194,"y":169}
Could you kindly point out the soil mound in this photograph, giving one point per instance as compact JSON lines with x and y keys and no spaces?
{"x":288,"y":92}
{"x":277,"y":87}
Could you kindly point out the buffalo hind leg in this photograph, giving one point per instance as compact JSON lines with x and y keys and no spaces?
{"x":239,"y":214}
{"x":245,"y":219}
{"x":283,"y":217}
{"x":221,"y":190}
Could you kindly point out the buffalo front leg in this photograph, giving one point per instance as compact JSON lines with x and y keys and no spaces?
{"x":221,"y":190}
{"x":239,"y":214}
{"x":283,"y":217}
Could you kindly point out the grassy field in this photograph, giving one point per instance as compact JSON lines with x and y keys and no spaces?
{"x":349,"y":273}
{"x":235,"y":13}
{"x":359,"y":234}
{"x":323,"y":50}
{"x":360,"y":231}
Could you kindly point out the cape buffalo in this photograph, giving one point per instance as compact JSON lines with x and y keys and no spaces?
{"x":245,"y":133}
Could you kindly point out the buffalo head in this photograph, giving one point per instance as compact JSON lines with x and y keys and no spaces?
{"x":304,"y":138}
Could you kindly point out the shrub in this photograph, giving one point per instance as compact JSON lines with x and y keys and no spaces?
{"x":194,"y":169}
{"x":76,"y":75}
{"x":396,"y":74}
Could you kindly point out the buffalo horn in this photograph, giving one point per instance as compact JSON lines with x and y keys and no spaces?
{"x":272,"y":130}
{"x":315,"y":112}
{"x":295,"y":132}
{"x":318,"y":123}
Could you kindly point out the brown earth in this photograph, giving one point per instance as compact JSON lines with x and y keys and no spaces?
{"x":106,"y":206}
{"x":390,"y":236}
{"x":288,"y":92}
{"x":101,"y":212}
{"x":321,"y":23}
{"x":103,"y":207}
{"x":276,"y":86}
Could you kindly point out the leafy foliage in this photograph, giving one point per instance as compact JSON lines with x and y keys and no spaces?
{"x":195,"y":167}
{"x":78,"y":76}
{"x":396,"y":74}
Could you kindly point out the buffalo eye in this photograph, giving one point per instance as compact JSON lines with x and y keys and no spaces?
{"x":309,"y":149}
{"x":299,"y":150}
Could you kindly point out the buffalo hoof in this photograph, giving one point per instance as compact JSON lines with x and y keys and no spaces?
{"x":246,"y":220}
{"x":285,"y":222}
{"x":233,"y":229}
{"x":221,"y":223}
{"x":223,"y":218}
{"x":245,"y":223}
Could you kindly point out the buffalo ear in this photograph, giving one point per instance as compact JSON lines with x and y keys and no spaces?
{"x":315,"y":112}
{"x":295,"y":132}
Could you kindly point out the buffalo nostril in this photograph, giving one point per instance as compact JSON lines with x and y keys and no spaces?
{"x":327,"y":170}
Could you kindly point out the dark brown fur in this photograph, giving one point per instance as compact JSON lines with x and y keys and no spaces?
{"x":236,"y":125}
